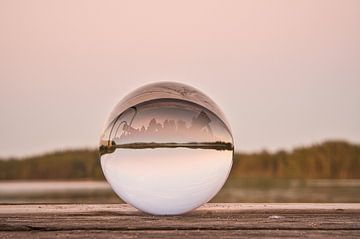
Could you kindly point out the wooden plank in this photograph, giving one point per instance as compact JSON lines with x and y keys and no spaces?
{"x":209,"y":207}
{"x":183,"y":234}
{"x":210,"y":221}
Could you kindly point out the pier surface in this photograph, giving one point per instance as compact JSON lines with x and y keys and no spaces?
{"x":213,"y":220}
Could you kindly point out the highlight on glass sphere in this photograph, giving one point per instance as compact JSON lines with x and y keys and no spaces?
{"x":166,"y":149}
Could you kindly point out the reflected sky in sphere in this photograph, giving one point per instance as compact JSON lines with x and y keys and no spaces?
{"x":166,"y":148}
{"x":167,"y":181}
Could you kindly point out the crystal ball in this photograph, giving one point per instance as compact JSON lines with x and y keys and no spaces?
{"x":166,"y":148}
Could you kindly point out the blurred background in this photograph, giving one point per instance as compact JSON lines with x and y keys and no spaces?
{"x":285,"y":73}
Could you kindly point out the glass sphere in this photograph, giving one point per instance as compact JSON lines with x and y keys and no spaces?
{"x":166,"y":149}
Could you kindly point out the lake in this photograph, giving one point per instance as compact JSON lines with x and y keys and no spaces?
{"x":235,"y":190}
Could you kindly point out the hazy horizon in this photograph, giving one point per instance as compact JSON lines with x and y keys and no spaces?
{"x":285,"y":74}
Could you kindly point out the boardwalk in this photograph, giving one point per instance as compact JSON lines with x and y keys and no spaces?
{"x":209,"y":221}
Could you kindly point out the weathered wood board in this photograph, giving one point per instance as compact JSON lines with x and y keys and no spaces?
{"x":210,"y":221}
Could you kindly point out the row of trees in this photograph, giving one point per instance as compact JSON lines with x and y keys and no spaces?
{"x":61,"y":165}
{"x":332,"y":160}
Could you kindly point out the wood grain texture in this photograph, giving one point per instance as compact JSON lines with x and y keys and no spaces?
{"x":209,"y":221}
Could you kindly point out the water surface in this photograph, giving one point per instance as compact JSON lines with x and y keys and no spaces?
{"x":235,"y":190}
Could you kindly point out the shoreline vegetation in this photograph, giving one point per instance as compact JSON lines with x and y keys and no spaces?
{"x":328,"y":160}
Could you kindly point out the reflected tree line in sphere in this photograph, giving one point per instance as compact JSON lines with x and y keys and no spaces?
{"x":169,"y":129}
{"x":168,"y":134}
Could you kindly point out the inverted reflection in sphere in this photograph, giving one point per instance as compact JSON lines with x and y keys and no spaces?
{"x":166,"y":149}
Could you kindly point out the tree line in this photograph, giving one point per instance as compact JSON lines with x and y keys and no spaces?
{"x":330,"y":160}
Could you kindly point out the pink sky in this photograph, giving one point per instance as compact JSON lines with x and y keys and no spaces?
{"x":285,"y":73}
